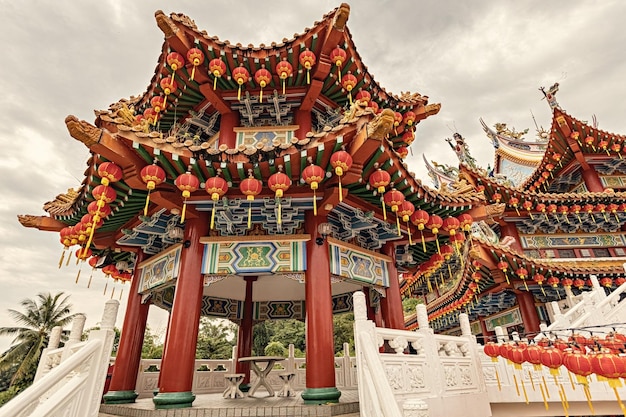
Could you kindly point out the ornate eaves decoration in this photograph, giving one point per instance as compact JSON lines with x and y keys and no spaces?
{"x":83,"y":131}
{"x":380,"y":127}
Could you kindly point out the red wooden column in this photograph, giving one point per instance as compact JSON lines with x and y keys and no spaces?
{"x":124,"y":379}
{"x":303,"y":120}
{"x":487,"y":335}
{"x":527,"y":309}
{"x":592,"y":180}
{"x":391,"y":304}
{"x":177,"y":366}
{"x":320,"y":350}
{"x":228,"y":122}
{"x":371,"y":311}
{"x":509,"y":229}
{"x":244,"y":336}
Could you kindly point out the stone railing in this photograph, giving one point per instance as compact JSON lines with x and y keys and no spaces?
{"x":69,"y":381}
{"x":209,"y":375}
{"x":426,"y":374}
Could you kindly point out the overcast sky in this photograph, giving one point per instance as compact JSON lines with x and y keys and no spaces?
{"x":478,"y":59}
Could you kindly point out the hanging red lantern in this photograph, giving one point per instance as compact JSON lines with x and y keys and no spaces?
{"x":606,"y":282}
{"x":263,"y":78}
{"x":250,"y":187}
{"x":363,"y":95}
{"x":158,"y":104}
{"x":405,"y":211}
{"x":152,"y":175}
{"x":279,"y":183}
{"x":619,"y":281}
{"x":447,"y":251}
{"x":341,"y":161}
{"x":313,"y":175}
{"x":169,"y":86}
{"x":397,"y":119}
{"x":109,"y":172}
{"x":373,"y":105}
{"x":589,"y":140}
{"x":514,"y":202}
{"x":284,"y":71}
{"x":552,"y":358}
{"x":567,"y":282}
{"x":150,"y":116}
{"x":450,"y":225}
{"x":175,"y":61}
{"x":379,"y":180}
{"x":611,"y":367}
{"x":409,"y":118}
{"x":492,"y":350}
{"x":528,"y":205}
{"x":103,"y":194}
{"x":553,"y":281}
{"x":217,"y":67}
{"x":419,"y":218}
{"x":338,"y":56}
{"x":241,"y":76}
{"x":348,"y":83}
{"x":576,"y":210}
{"x":187,"y":183}
{"x":579,"y":283}
{"x":434,"y":224}
{"x":307,"y":60}
{"x":66,"y":241}
{"x":408,"y":137}
{"x":496,"y":197}
{"x":196,"y":57}
{"x":613,"y":209}
{"x":394,"y":198}
{"x":93,"y":262}
{"x":216,"y":187}
{"x":457,"y":240}
{"x":465,"y":221}
{"x":402,"y":152}
{"x":539,"y":279}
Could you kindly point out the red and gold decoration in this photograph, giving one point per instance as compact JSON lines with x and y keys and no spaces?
{"x":434,"y":224}
{"x":169,"y":86}
{"x":307,"y":60}
{"x":284,"y":71}
{"x":338,"y":57}
{"x":279,"y":182}
{"x":216,"y":187}
{"x":175,"y":61}
{"x":241,"y":76}
{"x":348,"y":83}
{"x":405,"y":211}
{"x":217,"y":67}
{"x":250,"y":187}
{"x":420,"y":218}
{"x":341,"y":161}
{"x":196,"y":57}
{"x":263,"y":78}
{"x":379,"y":180}
{"x":187,"y":183}
{"x":152,"y":175}
{"x":313,"y":175}
{"x":394,"y":199}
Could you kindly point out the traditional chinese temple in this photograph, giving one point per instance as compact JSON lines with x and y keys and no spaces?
{"x":268,"y":182}
{"x":555,"y":211}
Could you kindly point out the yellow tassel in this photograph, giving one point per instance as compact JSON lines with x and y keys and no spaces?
{"x":543,"y":395}
{"x":280,"y":215}
{"x":239,"y":93}
{"x":398,"y":225}
{"x":516,"y":386}
{"x":145,"y":209}
{"x":308,"y":79}
{"x":532,"y":381}
{"x":340,"y":191}
{"x":106,"y":284}
{"x":498,"y":380}
{"x":571,"y":381}
{"x":261,"y":96}
{"x":214,"y":82}
{"x":121,"y":292}
{"x":438,"y":247}
{"x":182,"y":215}
{"x":588,"y":395}
{"x":283,"y":86}
{"x":524,"y":389}
{"x":193,"y":72}
{"x":213,"y":216}
{"x":90,"y":276}
{"x":250,"y":215}
{"x":525,"y":286}
{"x":314,"y":204}
{"x":112,"y":292}
{"x":62,"y":257}
{"x":409,"y":230}
{"x":350,"y":97}
{"x":423,"y":242}
{"x":339,"y":72}
{"x":384,"y":210}
{"x":545,"y":385}
{"x":78,"y":276}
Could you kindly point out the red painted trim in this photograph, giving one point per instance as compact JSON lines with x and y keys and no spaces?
{"x":392,"y":302}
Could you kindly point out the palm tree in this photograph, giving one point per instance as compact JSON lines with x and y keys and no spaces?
{"x":38,"y":319}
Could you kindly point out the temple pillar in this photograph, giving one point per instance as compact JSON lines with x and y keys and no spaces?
{"x":371,"y":311}
{"x":303,"y":120}
{"x":391,"y":304}
{"x":177,"y":366}
{"x":509,"y":229}
{"x":528,"y":311}
{"x":320,"y":351}
{"x":244,"y":336}
{"x":592,"y":180}
{"x":228,"y":123}
{"x":124,"y":379}
{"x":487,"y":335}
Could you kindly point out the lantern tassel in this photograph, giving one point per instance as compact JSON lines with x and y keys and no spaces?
{"x":339,"y":72}
{"x":384,"y":210}
{"x":398,"y":225}
{"x":408,"y":228}
{"x":588,"y":395}
{"x":283,"y":86}
{"x":517,"y":211}
{"x":121,"y":292}
{"x":106,"y":284}
{"x":532,"y":381}
{"x":516,"y":385}
{"x":250,"y":214}
{"x":350,"y":97}
{"x":68,"y":259}
{"x":308,"y":79}
{"x":182,"y":215}
{"x":112,"y":292}
{"x":525,"y":286}
{"x":423,"y":242}
{"x":78,"y":275}
{"x":90,"y":277}
{"x":314,"y":204}
{"x":542,"y":291}
{"x":524,"y":389}
{"x":340,"y":191}
{"x":571,"y":381}
{"x":62,"y":257}
{"x":261,"y":96}
{"x":213,"y":216}
{"x":279,"y":220}
{"x":214,"y":83}
{"x":239,"y":93}
{"x":438,"y":247}
{"x":193,"y":72}
{"x":543,"y":395}
{"x":545,"y":385}
{"x":145,"y":208}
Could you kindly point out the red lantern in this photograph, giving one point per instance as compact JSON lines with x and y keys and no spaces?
{"x":93,"y":261}
{"x":217,"y":67}
{"x":363,"y":95}
{"x":109,"y":172}
{"x":379,"y":180}
{"x":263,"y":78}
{"x":341,"y":161}
{"x":397,"y":119}
{"x":419,"y":218}
{"x":216,"y":187}
{"x":250,"y":187}
{"x":279,"y":183}
{"x":402,"y":152}
{"x":567,"y":283}
{"x":619,"y":281}
{"x":373,"y":105}
{"x":528,"y":205}
{"x":338,"y":56}
{"x":579,"y":283}
{"x":492,"y":350}
{"x":405,"y":211}
{"x":450,"y":225}
{"x":589,"y":140}
{"x":513,"y":202}
{"x":284,"y":71}
{"x":408,"y":137}
{"x":313,"y":175}
{"x":532,"y":354}
{"x":609,"y":366}
{"x":66,"y":241}
{"x":348,"y":83}
{"x":241,"y":76}
{"x":394,"y":198}
{"x":151,"y":115}
{"x":606,"y":282}
{"x":553,"y":359}
{"x":553,"y":281}
{"x":409,"y":118}
{"x":169,"y":86}
{"x":187,"y":183}
{"x":196,"y":57}
{"x":434,"y":224}
{"x":152,"y":175}
{"x":465,"y":221}
{"x":496,"y":197}
{"x":158,"y":104}
{"x":175,"y":61}
{"x":307,"y":60}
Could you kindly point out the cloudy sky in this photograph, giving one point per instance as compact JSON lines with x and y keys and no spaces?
{"x":478,"y":59}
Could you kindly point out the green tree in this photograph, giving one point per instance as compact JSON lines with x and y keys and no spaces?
{"x":287,"y":332}
{"x":276,"y":349}
{"x":116,"y":340}
{"x":32,"y":333}
{"x":216,"y":339}
{"x":343,"y":328}
{"x":260,"y":338}
{"x":152,"y":347}
{"x":408,"y":305}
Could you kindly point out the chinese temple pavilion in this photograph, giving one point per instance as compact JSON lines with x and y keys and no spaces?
{"x":253,"y":183}
{"x":555,"y":213}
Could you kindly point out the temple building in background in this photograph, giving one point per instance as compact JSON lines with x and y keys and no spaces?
{"x":268,"y":182}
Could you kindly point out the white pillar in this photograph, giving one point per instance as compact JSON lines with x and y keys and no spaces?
{"x":422,"y":316}
{"x":55,"y":337}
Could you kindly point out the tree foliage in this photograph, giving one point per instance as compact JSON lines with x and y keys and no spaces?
{"x":32,"y":333}
{"x":408,"y":305}
{"x":216,"y":339}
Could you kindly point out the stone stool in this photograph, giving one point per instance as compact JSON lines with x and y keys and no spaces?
{"x":286,"y":390}
{"x":232,"y":390}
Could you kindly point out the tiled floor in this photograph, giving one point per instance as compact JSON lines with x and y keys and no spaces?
{"x":214,"y":405}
